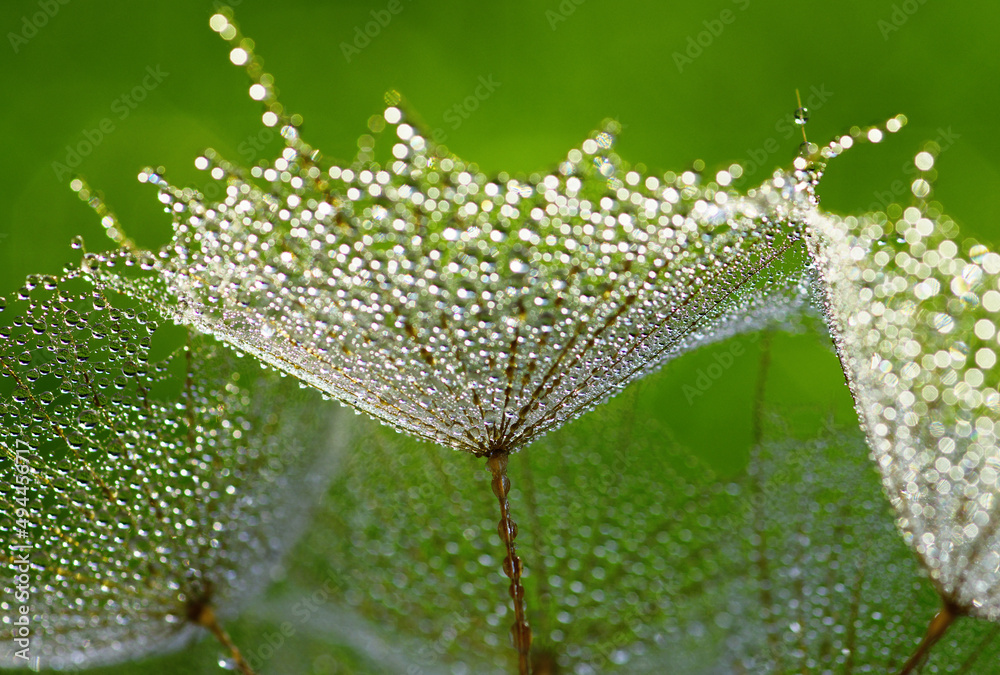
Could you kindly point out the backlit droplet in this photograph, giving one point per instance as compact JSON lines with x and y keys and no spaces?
{"x":238,"y":56}
{"x":924,"y":161}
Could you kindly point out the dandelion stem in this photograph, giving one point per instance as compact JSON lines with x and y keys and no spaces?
{"x":520,"y":631}
{"x":935,"y":631}
{"x":207,"y":619}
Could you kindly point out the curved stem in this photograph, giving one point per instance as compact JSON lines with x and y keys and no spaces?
{"x":207,"y":619}
{"x":935,"y":631}
{"x":512,"y":567}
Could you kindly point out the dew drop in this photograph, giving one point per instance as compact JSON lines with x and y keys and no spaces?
{"x":943,"y":323}
{"x":924,"y":161}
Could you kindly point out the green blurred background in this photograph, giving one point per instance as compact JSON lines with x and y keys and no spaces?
{"x":561,"y":68}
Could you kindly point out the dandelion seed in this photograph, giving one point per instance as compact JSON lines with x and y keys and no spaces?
{"x":809,"y":562}
{"x":152,"y":498}
{"x":913,"y":319}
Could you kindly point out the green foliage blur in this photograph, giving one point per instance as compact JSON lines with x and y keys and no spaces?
{"x":511,"y":86}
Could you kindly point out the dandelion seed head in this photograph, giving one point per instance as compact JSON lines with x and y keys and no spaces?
{"x":521,"y":302}
{"x":915,"y":323}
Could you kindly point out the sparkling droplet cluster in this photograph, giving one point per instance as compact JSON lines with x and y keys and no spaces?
{"x":475,"y":311}
{"x":915,"y":318}
{"x":154,"y":486}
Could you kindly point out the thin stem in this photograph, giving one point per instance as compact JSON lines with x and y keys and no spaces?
{"x":935,"y":631}
{"x":207,"y":619}
{"x":507,"y":529}
{"x":798,"y":98}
